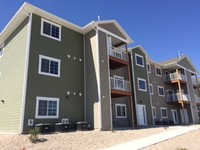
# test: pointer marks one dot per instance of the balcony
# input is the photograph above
(120, 87)
(194, 82)
(118, 53)
(177, 98)
(174, 77)
(197, 99)
(118, 58)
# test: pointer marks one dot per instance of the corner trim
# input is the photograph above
(25, 75)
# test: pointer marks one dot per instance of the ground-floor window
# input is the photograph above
(47, 107)
(154, 112)
(164, 112)
(120, 110)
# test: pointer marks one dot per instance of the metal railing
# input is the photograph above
(118, 53)
(197, 99)
(174, 76)
(194, 81)
(177, 97)
(119, 84)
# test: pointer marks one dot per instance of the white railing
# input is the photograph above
(194, 81)
(197, 99)
(119, 84)
(174, 76)
(118, 53)
(177, 97)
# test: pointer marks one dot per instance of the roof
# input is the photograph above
(27, 9)
(142, 49)
(177, 62)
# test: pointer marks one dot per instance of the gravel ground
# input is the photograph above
(92, 140)
(188, 141)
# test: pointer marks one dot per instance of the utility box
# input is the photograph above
(44, 127)
(62, 127)
(82, 126)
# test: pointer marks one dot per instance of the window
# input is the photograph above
(1, 50)
(154, 112)
(164, 112)
(50, 30)
(49, 66)
(120, 110)
(139, 60)
(151, 89)
(158, 71)
(148, 68)
(47, 107)
(142, 84)
(119, 82)
(161, 91)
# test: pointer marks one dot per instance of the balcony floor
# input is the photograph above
(178, 102)
(175, 81)
(119, 93)
(117, 63)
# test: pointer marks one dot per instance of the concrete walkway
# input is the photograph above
(151, 140)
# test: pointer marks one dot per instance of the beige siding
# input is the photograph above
(92, 75)
(12, 66)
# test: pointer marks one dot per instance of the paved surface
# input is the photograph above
(147, 141)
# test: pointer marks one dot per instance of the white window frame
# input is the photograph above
(156, 67)
(140, 79)
(137, 55)
(2, 49)
(148, 68)
(159, 91)
(151, 87)
(163, 108)
(50, 59)
(49, 36)
(38, 98)
(120, 105)
(119, 78)
(154, 112)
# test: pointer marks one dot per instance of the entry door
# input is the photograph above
(174, 115)
(184, 119)
(141, 115)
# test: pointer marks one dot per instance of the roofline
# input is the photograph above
(26, 9)
(142, 49)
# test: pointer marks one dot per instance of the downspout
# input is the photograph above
(25, 71)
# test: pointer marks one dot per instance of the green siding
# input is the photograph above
(142, 97)
(12, 70)
(71, 74)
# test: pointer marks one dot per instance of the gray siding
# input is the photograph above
(105, 80)
(71, 74)
(12, 70)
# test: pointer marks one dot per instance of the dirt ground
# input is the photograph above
(92, 140)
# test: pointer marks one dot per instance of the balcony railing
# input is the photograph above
(197, 99)
(194, 81)
(118, 53)
(177, 97)
(174, 76)
(119, 84)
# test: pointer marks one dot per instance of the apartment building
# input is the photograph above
(53, 70)
(166, 92)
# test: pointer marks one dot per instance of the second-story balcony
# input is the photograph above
(194, 82)
(120, 87)
(174, 77)
(177, 97)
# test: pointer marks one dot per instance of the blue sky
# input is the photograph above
(162, 27)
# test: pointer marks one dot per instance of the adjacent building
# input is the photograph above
(53, 71)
